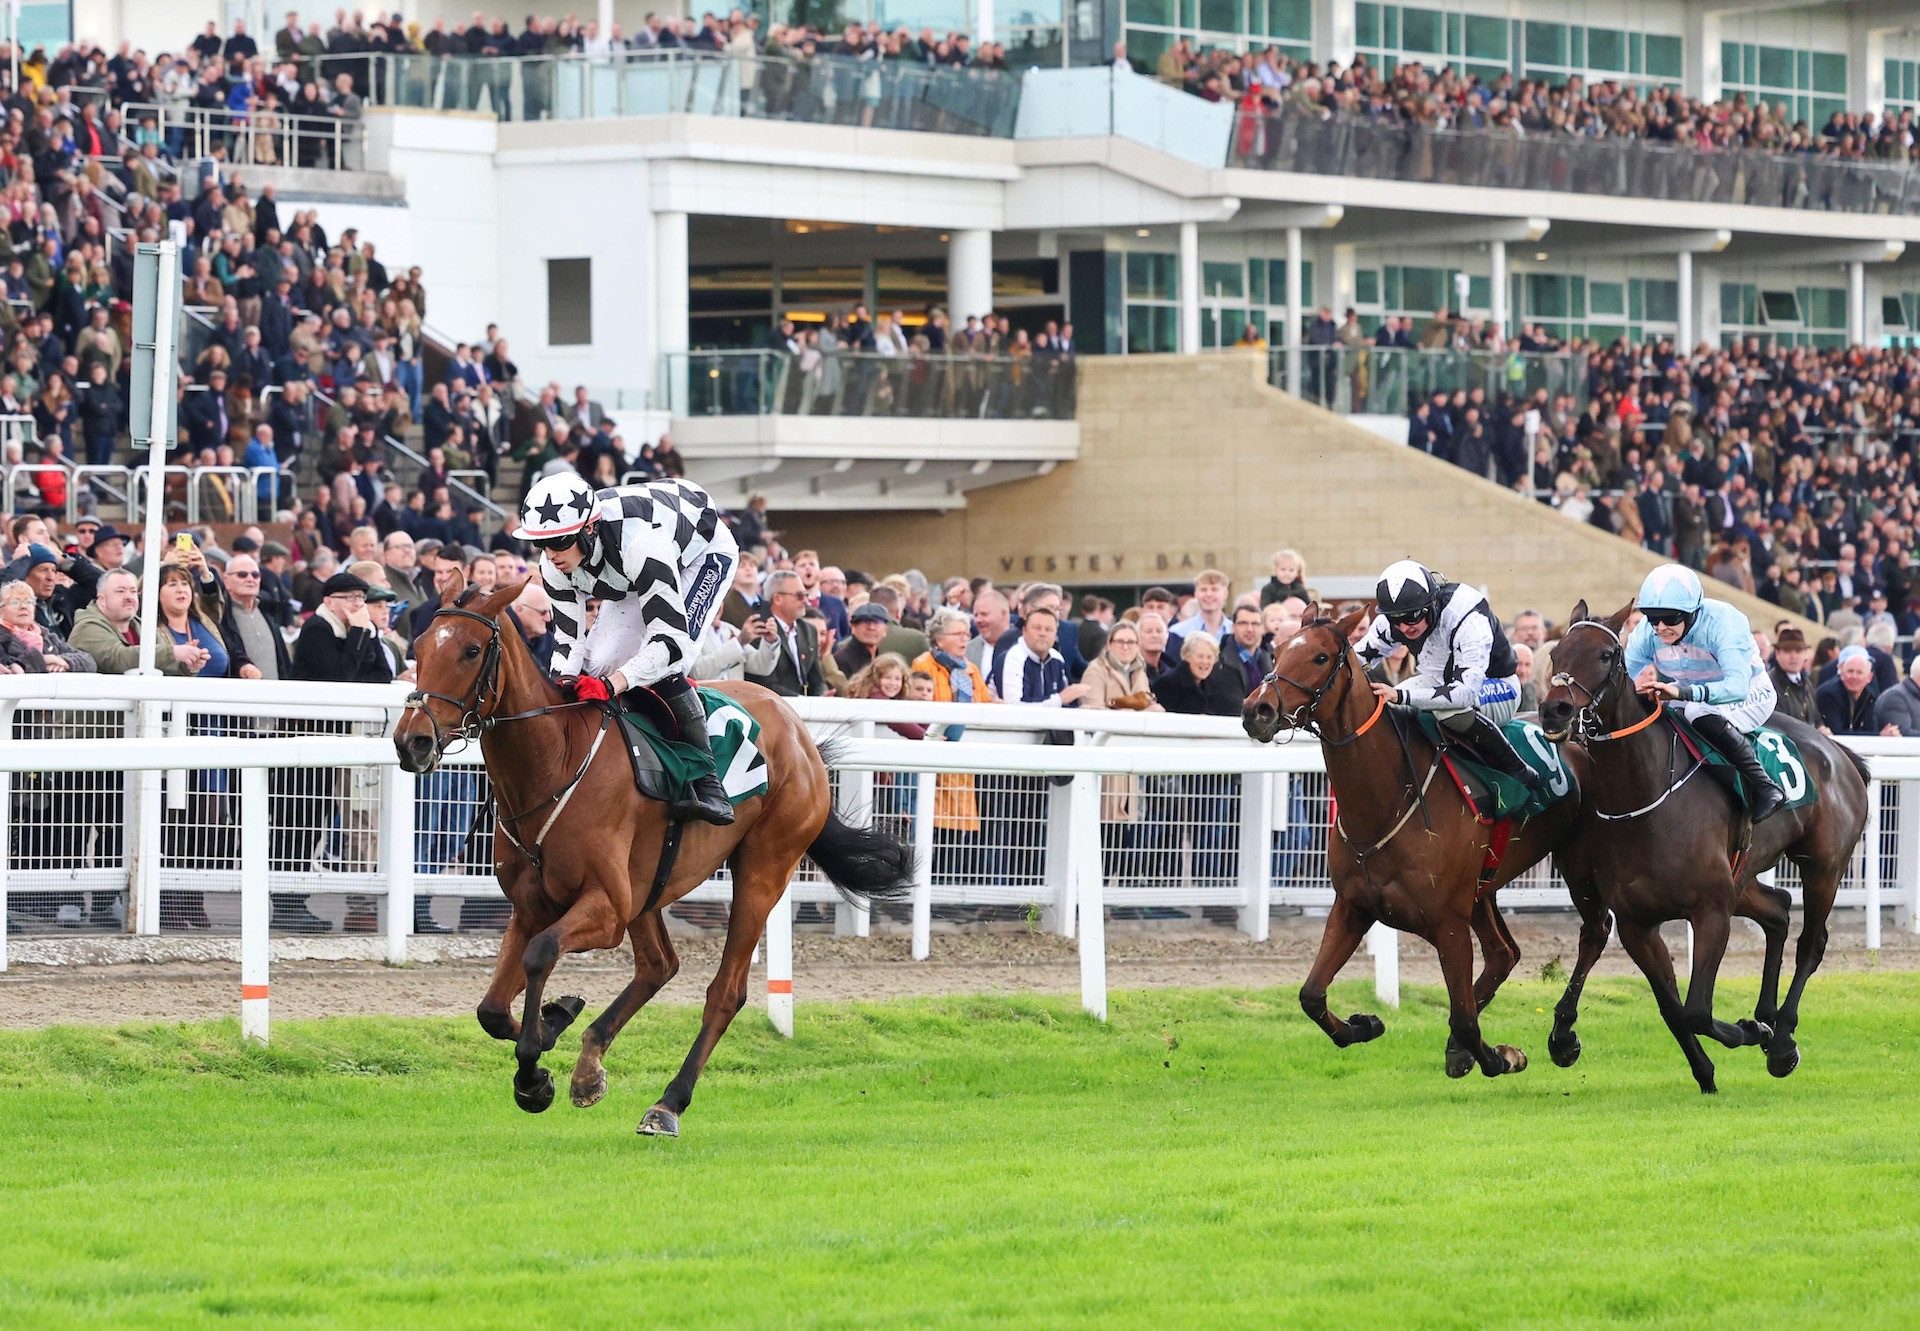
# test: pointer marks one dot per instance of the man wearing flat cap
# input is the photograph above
(1792, 673)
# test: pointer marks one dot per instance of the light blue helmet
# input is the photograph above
(1671, 587)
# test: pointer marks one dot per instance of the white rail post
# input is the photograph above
(855, 802)
(6, 829)
(1383, 944)
(1087, 869)
(923, 865)
(780, 964)
(253, 904)
(396, 857)
(1058, 917)
(1906, 856)
(1256, 854)
(1872, 843)
(144, 897)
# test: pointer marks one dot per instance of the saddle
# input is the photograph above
(1493, 794)
(644, 723)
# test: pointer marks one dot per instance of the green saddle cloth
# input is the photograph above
(1508, 797)
(1777, 752)
(665, 768)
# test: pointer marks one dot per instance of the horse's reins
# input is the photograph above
(473, 720)
(1588, 718)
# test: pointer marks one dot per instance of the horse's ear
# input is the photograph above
(1311, 613)
(498, 599)
(1352, 620)
(1617, 620)
(456, 587)
(1579, 613)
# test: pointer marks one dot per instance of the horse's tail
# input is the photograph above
(871, 862)
(1859, 763)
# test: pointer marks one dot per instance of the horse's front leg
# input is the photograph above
(589, 923)
(1347, 924)
(1453, 940)
(1596, 926)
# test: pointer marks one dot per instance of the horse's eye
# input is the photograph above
(1320, 659)
(473, 650)
(1606, 657)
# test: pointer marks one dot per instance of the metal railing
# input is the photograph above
(1315, 143)
(845, 383)
(826, 89)
(1369, 380)
(262, 137)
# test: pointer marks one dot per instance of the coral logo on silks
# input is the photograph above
(1493, 692)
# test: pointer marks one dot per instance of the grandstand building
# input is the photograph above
(640, 222)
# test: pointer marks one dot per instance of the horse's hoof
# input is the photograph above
(536, 1098)
(556, 1016)
(1515, 1059)
(1565, 1053)
(659, 1122)
(586, 1094)
(1782, 1062)
(1365, 1026)
(1756, 1032)
(1459, 1062)
(1707, 1087)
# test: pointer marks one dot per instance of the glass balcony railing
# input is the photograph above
(1390, 380)
(839, 383)
(825, 90)
(1313, 144)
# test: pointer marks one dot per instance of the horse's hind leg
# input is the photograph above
(1346, 925)
(1650, 954)
(1772, 909)
(1596, 925)
(759, 879)
(654, 964)
(1818, 883)
(1465, 1047)
(590, 922)
(1710, 928)
(1499, 953)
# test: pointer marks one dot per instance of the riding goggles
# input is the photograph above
(1666, 618)
(1406, 616)
(566, 542)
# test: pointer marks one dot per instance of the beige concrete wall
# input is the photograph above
(1193, 461)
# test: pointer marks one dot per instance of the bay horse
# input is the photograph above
(1406, 849)
(1657, 846)
(576, 848)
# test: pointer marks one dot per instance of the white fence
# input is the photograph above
(191, 802)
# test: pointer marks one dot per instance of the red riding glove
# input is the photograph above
(591, 688)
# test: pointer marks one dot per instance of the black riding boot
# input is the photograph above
(1765, 796)
(707, 800)
(1490, 741)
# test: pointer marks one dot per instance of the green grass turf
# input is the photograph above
(1207, 1159)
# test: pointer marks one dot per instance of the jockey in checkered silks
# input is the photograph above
(659, 559)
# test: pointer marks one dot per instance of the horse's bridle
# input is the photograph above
(474, 720)
(1586, 722)
(1302, 717)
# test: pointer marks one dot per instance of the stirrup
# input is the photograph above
(716, 809)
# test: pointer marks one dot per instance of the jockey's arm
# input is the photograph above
(1472, 649)
(1377, 644)
(569, 619)
(1733, 650)
(1639, 649)
(652, 561)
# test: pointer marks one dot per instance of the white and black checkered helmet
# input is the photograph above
(556, 506)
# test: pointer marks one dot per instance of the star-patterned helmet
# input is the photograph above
(556, 506)
(1406, 591)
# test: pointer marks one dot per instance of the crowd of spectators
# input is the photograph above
(1260, 83)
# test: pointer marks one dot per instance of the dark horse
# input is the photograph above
(576, 848)
(1407, 848)
(1658, 845)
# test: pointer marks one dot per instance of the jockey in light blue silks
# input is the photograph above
(1698, 654)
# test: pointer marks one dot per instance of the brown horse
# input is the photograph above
(1658, 845)
(1407, 849)
(576, 848)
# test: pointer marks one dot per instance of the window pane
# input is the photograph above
(1223, 280)
(1420, 31)
(1157, 12)
(1145, 48)
(1730, 303)
(1366, 286)
(1366, 25)
(1486, 38)
(1220, 15)
(1661, 301)
(1663, 57)
(1730, 63)
(1424, 290)
(1547, 43)
(1607, 298)
(1824, 109)
(569, 302)
(1479, 293)
(1606, 49)
(1150, 276)
(1257, 280)
(1292, 19)
(1546, 295)
(1776, 67)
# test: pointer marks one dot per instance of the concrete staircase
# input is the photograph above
(1191, 461)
